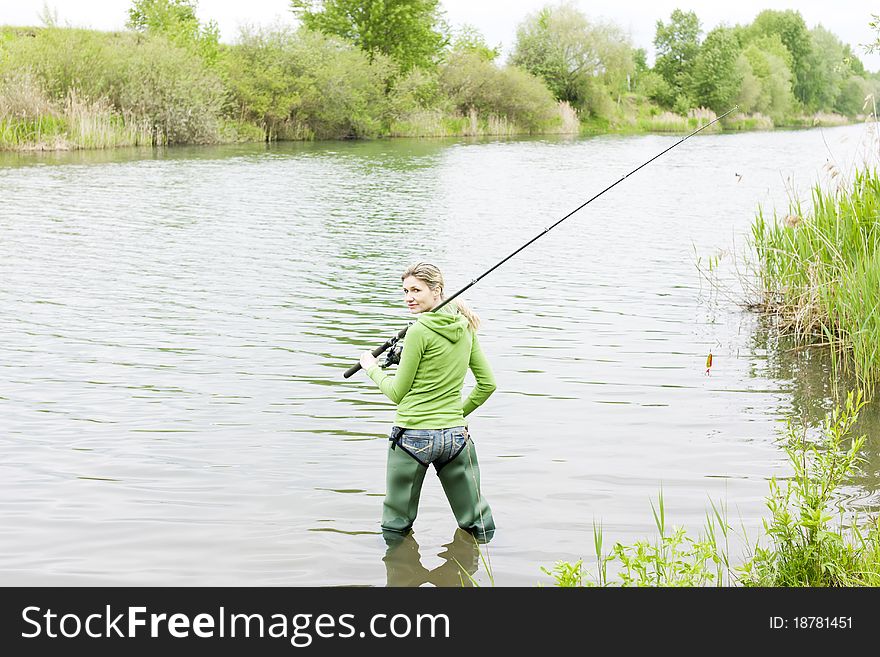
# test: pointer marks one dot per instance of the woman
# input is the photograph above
(429, 426)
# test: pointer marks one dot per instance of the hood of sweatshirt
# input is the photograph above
(448, 323)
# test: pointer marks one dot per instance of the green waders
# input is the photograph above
(403, 486)
(460, 478)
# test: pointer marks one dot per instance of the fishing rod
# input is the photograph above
(392, 341)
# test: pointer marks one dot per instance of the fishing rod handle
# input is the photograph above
(376, 352)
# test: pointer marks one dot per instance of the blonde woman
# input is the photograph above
(429, 427)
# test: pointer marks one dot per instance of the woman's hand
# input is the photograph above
(367, 360)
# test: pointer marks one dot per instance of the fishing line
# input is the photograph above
(388, 343)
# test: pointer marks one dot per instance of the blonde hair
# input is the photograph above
(431, 276)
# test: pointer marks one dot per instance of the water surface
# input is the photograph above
(175, 325)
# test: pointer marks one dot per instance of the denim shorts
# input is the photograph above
(437, 446)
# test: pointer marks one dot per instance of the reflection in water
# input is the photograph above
(815, 390)
(403, 563)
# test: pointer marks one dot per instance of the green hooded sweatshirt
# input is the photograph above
(437, 351)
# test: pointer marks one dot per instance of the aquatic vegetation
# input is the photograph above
(805, 549)
(819, 273)
(673, 559)
(800, 547)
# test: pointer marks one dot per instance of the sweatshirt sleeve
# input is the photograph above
(485, 380)
(395, 387)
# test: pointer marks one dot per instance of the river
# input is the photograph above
(175, 325)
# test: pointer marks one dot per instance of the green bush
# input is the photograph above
(301, 84)
(415, 92)
(180, 98)
(143, 78)
(851, 100)
(654, 86)
(471, 82)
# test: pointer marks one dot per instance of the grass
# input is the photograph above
(435, 123)
(801, 546)
(78, 124)
(819, 273)
(672, 559)
(819, 119)
(741, 121)
(638, 117)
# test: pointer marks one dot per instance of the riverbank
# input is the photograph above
(70, 89)
(80, 125)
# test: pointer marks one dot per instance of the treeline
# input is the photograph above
(775, 69)
(775, 66)
(367, 68)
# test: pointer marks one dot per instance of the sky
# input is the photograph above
(496, 19)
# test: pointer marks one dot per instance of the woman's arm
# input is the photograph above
(395, 387)
(485, 379)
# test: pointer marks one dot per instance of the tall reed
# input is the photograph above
(819, 273)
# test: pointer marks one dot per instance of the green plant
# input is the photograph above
(819, 274)
(675, 559)
(805, 549)
(303, 84)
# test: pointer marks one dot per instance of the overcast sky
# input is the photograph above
(496, 19)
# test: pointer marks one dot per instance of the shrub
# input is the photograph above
(143, 78)
(304, 84)
(471, 82)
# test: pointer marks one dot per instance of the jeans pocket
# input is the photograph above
(415, 443)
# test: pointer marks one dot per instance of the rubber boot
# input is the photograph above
(403, 487)
(461, 483)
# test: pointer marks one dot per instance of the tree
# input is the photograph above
(750, 85)
(774, 83)
(792, 30)
(875, 25)
(176, 20)
(411, 32)
(853, 62)
(853, 96)
(717, 79)
(165, 16)
(677, 45)
(469, 39)
(829, 68)
(304, 83)
(573, 56)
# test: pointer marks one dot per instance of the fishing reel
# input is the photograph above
(392, 354)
